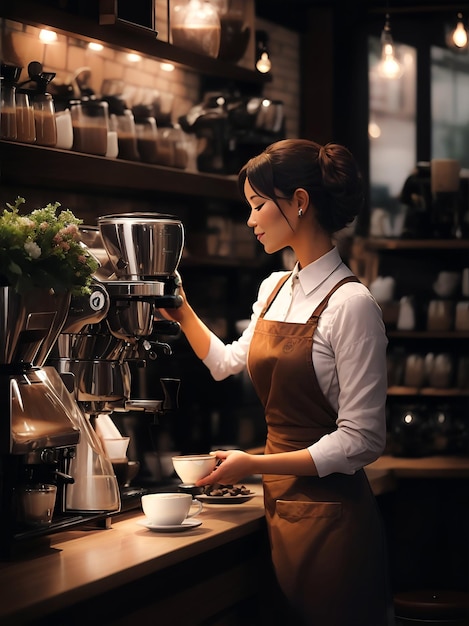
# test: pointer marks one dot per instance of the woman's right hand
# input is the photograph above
(192, 326)
(176, 314)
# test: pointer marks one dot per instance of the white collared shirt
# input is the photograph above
(349, 357)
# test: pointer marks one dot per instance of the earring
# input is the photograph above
(300, 212)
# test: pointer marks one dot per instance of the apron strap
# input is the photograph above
(274, 293)
(323, 304)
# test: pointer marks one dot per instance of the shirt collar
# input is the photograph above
(315, 274)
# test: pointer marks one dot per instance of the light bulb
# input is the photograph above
(389, 66)
(458, 37)
(264, 65)
(374, 131)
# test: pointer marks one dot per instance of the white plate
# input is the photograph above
(187, 524)
(227, 499)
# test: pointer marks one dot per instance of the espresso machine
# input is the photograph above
(38, 435)
(139, 254)
(231, 129)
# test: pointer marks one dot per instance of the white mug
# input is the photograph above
(165, 509)
(406, 317)
(441, 374)
(414, 373)
(440, 315)
(461, 321)
(382, 288)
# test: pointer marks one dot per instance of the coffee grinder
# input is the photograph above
(139, 255)
(38, 435)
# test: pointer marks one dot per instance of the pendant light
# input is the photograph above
(389, 67)
(457, 38)
(263, 62)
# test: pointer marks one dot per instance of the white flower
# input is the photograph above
(32, 249)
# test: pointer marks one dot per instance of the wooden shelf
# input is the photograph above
(415, 244)
(125, 38)
(423, 467)
(427, 391)
(31, 165)
(426, 334)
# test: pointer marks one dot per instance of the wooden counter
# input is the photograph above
(86, 564)
(125, 573)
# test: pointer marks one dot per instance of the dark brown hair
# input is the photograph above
(328, 173)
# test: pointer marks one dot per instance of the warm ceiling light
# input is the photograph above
(95, 46)
(133, 57)
(458, 38)
(167, 67)
(389, 66)
(47, 36)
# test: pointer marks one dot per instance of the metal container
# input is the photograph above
(142, 245)
(30, 324)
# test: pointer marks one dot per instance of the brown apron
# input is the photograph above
(327, 541)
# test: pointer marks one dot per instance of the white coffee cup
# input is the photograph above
(190, 468)
(165, 509)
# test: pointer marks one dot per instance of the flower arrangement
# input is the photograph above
(43, 249)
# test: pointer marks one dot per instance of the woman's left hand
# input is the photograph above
(233, 466)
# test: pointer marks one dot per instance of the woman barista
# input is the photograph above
(316, 353)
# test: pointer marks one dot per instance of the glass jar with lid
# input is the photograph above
(7, 111)
(90, 120)
(25, 126)
(44, 119)
(195, 26)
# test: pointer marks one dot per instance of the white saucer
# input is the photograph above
(187, 524)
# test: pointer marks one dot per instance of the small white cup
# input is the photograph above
(37, 504)
(116, 447)
(168, 509)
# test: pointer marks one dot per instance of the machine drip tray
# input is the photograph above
(64, 522)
